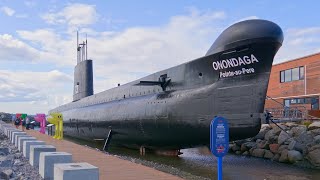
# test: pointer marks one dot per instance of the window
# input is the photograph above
(301, 74)
(287, 75)
(295, 74)
(292, 74)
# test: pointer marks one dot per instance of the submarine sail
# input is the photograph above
(173, 108)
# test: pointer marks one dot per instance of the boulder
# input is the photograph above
(269, 135)
(246, 153)
(314, 157)
(244, 148)
(274, 148)
(291, 124)
(282, 148)
(284, 156)
(258, 153)
(4, 151)
(315, 132)
(317, 139)
(250, 145)
(238, 152)
(297, 131)
(283, 136)
(314, 125)
(305, 139)
(6, 174)
(268, 154)
(240, 142)
(276, 157)
(235, 148)
(263, 144)
(277, 130)
(294, 156)
(294, 145)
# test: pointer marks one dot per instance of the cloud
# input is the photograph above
(73, 15)
(30, 3)
(31, 90)
(12, 49)
(299, 42)
(8, 11)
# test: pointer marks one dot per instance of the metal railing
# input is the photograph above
(287, 114)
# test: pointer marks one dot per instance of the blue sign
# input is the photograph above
(219, 140)
(219, 136)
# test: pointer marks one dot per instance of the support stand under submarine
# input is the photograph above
(172, 109)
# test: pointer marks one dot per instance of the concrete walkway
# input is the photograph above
(110, 167)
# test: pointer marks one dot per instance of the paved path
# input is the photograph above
(110, 167)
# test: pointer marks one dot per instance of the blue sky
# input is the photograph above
(127, 40)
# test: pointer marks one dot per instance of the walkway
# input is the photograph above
(110, 167)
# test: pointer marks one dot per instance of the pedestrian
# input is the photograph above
(23, 124)
(27, 123)
(17, 122)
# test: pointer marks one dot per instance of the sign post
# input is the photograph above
(219, 140)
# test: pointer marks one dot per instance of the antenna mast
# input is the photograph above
(82, 49)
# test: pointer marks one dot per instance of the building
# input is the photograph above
(295, 83)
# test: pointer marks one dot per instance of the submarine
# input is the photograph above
(172, 109)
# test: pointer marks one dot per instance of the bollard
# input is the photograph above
(35, 151)
(14, 134)
(47, 161)
(26, 147)
(18, 137)
(79, 171)
(22, 139)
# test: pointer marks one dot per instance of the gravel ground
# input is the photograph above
(13, 165)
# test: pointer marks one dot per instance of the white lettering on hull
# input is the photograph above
(234, 62)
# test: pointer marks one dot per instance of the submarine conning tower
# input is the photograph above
(246, 32)
(83, 73)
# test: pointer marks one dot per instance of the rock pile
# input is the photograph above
(292, 143)
(13, 165)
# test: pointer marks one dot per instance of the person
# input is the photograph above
(27, 123)
(17, 122)
(23, 124)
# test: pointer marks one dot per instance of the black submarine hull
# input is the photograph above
(230, 80)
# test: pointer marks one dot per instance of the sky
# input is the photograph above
(127, 40)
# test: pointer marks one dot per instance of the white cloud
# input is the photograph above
(12, 49)
(51, 88)
(8, 11)
(30, 3)
(299, 42)
(76, 15)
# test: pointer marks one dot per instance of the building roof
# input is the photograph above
(318, 53)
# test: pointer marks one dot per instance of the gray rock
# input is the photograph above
(291, 125)
(6, 174)
(317, 139)
(269, 134)
(282, 147)
(277, 130)
(284, 156)
(246, 153)
(250, 145)
(314, 157)
(258, 153)
(314, 125)
(305, 139)
(268, 154)
(315, 132)
(235, 148)
(294, 156)
(238, 152)
(297, 131)
(17, 162)
(283, 136)
(4, 151)
(276, 157)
